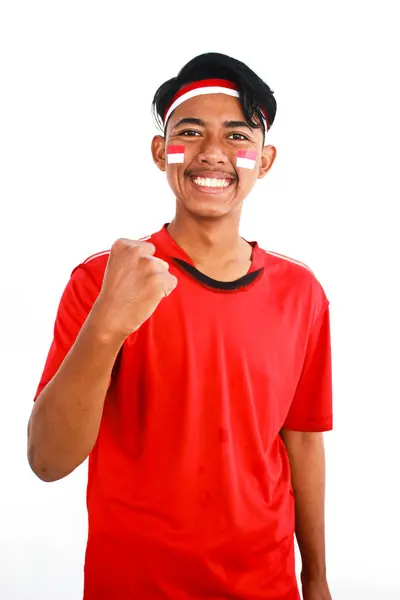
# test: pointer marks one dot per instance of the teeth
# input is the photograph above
(208, 182)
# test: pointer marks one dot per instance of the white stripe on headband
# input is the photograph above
(202, 91)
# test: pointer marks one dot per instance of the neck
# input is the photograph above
(210, 241)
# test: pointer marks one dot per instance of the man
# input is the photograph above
(193, 369)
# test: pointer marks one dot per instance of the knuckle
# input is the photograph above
(147, 247)
(120, 244)
(146, 264)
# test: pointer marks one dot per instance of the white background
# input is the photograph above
(77, 80)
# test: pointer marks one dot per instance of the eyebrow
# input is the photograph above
(202, 123)
(235, 124)
(190, 121)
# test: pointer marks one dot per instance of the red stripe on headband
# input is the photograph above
(201, 84)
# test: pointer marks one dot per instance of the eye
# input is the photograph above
(189, 133)
(238, 137)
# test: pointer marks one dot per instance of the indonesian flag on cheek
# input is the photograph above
(246, 159)
(175, 154)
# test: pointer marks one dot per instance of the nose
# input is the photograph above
(211, 153)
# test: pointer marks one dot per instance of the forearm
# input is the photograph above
(307, 462)
(66, 417)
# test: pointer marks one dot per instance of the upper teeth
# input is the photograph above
(207, 182)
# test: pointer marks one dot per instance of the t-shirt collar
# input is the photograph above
(164, 239)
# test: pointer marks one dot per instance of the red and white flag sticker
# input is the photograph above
(246, 159)
(175, 154)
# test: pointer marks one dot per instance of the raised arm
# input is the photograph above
(66, 416)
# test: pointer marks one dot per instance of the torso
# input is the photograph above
(189, 492)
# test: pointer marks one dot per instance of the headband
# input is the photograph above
(201, 88)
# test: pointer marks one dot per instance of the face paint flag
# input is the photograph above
(246, 159)
(175, 154)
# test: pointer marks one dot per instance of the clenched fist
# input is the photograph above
(134, 284)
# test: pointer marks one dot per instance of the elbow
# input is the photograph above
(42, 468)
(43, 472)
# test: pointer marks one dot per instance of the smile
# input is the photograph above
(209, 182)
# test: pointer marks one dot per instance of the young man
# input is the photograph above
(193, 369)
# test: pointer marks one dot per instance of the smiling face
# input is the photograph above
(211, 181)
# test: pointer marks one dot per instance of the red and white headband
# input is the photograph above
(206, 86)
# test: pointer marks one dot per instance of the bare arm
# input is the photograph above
(65, 419)
(307, 462)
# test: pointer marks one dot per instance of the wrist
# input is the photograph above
(100, 327)
(313, 575)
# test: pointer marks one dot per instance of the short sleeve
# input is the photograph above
(74, 307)
(311, 409)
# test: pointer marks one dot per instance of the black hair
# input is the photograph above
(254, 92)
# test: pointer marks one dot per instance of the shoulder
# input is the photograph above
(296, 278)
(290, 264)
(289, 269)
(94, 265)
(88, 274)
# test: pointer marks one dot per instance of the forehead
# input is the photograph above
(210, 108)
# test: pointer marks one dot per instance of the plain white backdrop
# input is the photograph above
(77, 80)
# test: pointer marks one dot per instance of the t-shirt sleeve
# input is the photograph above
(74, 307)
(311, 409)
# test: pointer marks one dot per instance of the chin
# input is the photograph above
(208, 210)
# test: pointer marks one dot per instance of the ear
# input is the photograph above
(158, 151)
(268, 156)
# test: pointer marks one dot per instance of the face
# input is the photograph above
(211, 181)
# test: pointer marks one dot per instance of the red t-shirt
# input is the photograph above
(189, 493)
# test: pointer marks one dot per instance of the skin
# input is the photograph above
(307, 465)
